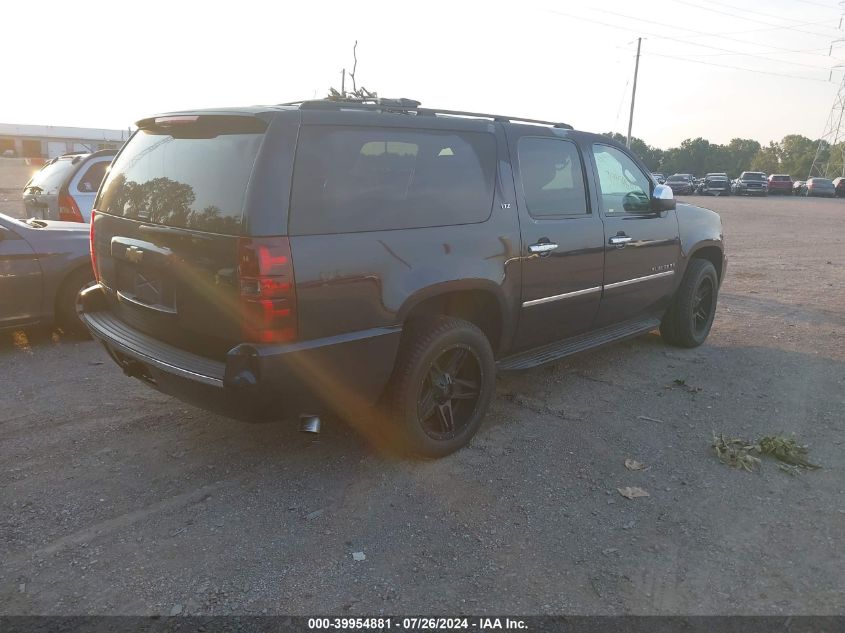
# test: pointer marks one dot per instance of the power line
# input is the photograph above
(749, 19)
(750, 70)
(804, 51)
(723, 50)
(770, 28)
(820, 4)
(757, 12)
(674, 39)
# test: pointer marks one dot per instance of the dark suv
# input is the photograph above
(752, 183)
(382, 261)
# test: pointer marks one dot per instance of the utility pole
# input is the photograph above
(634, 92)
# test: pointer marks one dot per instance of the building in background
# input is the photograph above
(49, 141)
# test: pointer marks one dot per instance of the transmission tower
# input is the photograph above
(831, 137)
(833, 133)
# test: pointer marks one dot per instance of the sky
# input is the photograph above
(715, 69)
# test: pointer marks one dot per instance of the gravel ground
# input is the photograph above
(119, 500)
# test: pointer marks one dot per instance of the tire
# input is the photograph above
(425, 373)
(687, 322)
(66, 300)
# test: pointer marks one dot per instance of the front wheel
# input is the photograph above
(688, 321)
(441, 388)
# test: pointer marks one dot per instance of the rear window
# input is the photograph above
(52, 176)
(350, 179)
(190, 175)
(90, 181)
(781, 178)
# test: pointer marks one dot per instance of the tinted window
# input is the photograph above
(92, 177)
(349, 179)
(51, 176)
(552, 178)
(624, 188)
(190, 176)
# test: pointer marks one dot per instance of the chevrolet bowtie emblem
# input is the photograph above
(134, 254)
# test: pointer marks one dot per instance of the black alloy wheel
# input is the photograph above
(449, 393)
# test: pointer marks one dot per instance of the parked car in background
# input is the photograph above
(820, 187)
(715, 185)
(660, 178)
(839, 185)
(43, 266)
(796, 187)
(65, 188)
(315, 275)
(752, 183)
(682, 184)
(780, 184)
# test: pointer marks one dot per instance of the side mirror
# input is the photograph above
(662, 199)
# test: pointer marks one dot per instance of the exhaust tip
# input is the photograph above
(309, 423)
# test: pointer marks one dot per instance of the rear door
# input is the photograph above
(641, 248)
(167, 224)
(562, 239)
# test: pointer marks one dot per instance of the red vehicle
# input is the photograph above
(780, 184)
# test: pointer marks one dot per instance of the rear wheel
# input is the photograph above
(441, 388)
(688, 321)
(67, 300)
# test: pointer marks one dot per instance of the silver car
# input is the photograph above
(65, 188)
(43, 266)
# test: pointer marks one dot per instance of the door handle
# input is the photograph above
(620, 240)
(543, 247)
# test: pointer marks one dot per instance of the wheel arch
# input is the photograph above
(478, 301)
(65, 278)
(712, 253)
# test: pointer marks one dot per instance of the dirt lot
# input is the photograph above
(116, 499)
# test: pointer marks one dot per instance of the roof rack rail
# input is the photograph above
(412, 106)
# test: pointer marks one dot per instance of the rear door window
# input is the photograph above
(186, 175)
(92, 176)
(350, 179)
(552, 177)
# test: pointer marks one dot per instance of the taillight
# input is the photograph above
(68, 209)
(266, 288)
(91, 246)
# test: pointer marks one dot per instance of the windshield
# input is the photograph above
(189, 176)
(752, 175)
(52, 175)
(678, 178)
(820, 181)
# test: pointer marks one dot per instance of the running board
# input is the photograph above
(581, 343)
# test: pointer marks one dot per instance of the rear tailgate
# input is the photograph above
(166, 228)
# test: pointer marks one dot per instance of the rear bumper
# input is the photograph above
(256, 382)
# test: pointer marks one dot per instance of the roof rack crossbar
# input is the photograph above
(398, 106)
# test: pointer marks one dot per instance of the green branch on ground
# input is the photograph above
(740, 453)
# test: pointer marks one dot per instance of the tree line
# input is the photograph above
(792, 155)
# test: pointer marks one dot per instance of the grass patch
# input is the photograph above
(739, 453)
